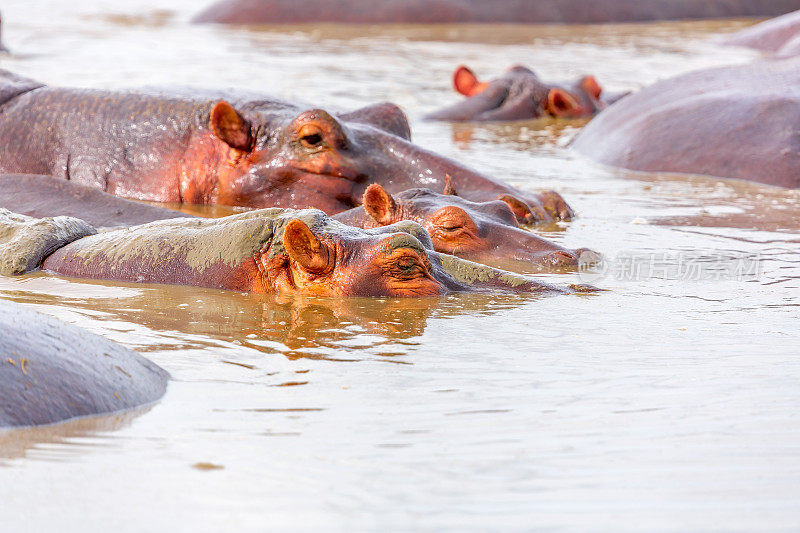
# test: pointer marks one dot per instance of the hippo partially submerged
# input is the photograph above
(485, 11)
(733, 122)
(222, 149)
(51, 371)
(520, 94)
(486, 232)
(266, 251)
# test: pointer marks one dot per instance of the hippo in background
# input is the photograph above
(779, 36)
(51, 371)
(738, 121)
(520, 94)
(263, 251)
(253, 151)
(484, 11)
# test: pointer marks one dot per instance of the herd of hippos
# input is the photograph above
(388, 218)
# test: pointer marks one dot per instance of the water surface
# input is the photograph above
(668, 403)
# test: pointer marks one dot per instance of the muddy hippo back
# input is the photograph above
(51, 371)
(733, 122)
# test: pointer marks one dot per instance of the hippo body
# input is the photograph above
(779, 36)
(732, 122)
(51, 371)
(284, 251)
(168, 146)
(41, 196)
(483, 11)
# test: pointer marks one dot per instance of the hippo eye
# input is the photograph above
(409, 267)
(312, 140)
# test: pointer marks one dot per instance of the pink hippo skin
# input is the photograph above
(732, 122)
(520, 94)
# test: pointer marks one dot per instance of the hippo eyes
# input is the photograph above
(313, 140)
(409, 267)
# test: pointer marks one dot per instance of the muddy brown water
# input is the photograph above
(668, 403)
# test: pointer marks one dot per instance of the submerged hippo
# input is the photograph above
(521, 95)
(41, 196)
(780, 36)
(266, 251)
(244, 150)
(486, 232)
(733, 122)
(51, 371)
(485, 11)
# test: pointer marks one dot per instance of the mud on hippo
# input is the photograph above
(266, 251)
(244, 150)
(520, 94)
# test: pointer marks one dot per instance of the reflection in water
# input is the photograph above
(17, 443)
(295, 326)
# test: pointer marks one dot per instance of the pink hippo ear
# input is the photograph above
(520, 209)
(592, 88)
(305, 249)
(561, 104)
(229, 126)
(449, 188)
(465, 82)
(379, 205)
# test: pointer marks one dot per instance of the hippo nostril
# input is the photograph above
(563, 259)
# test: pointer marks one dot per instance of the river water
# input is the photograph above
(667, 403)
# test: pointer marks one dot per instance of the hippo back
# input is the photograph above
(12, 85)
(51, 371)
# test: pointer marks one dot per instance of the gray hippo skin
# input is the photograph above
(51, 371)
(739, 122)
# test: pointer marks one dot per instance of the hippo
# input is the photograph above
(521, 95)
(485, 232)
(491, 231)
(483, 11)
(779, 36)
(240, 150)
(41, 196)
(738, 121)
(2, 46)
(51, 371)
(264, 251)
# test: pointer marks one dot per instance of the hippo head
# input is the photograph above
(395, 261)
(293, 158)
(487, 232)
(520, 94)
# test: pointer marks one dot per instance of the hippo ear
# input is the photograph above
(380, 205)
(229, 126)
(449, 188)
(561, 104)
(465, 82)
(592, 88)
(520, 209)
(304, 248)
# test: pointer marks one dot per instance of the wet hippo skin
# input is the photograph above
(51, 371)
(779, 36)
(478, 11)
(198, 147)
(732, 122)
(519, 94)
(42, 196)
(282, 251)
